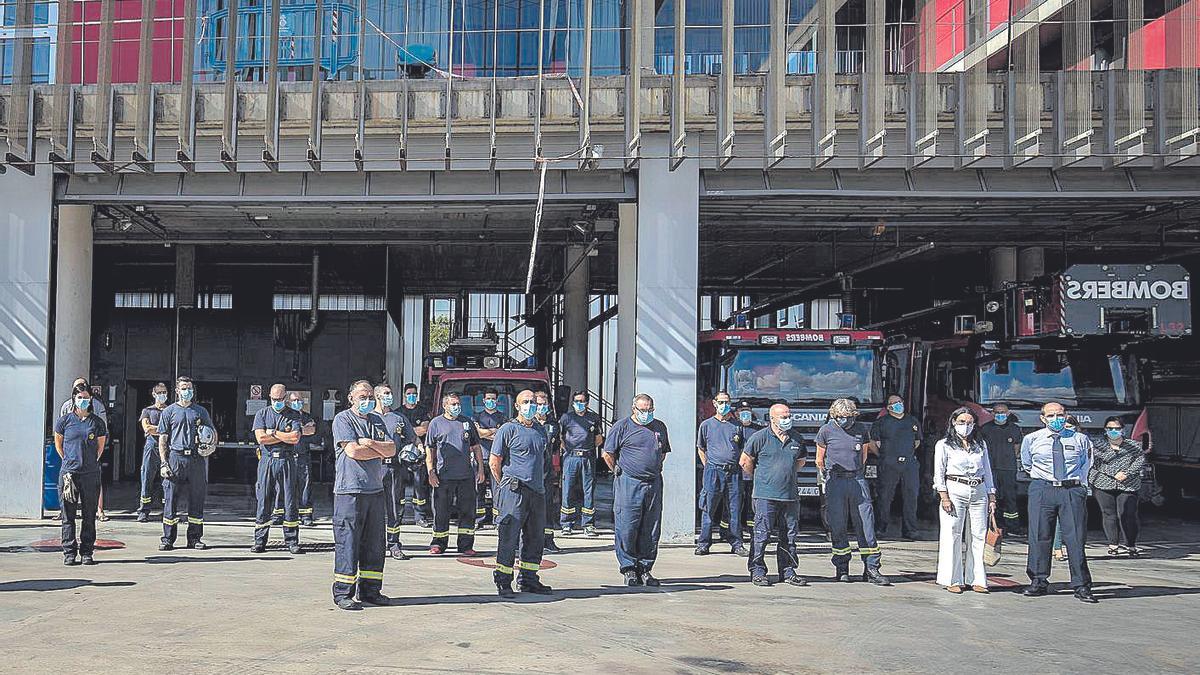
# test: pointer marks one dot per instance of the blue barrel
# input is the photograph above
(51, 465)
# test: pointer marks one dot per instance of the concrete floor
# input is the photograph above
(231, 611)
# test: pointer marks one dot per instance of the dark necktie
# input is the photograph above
(1060, 459)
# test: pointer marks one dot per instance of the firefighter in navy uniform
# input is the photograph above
(487, 423)
(745, 417)
(580, 431)
(553, 433)
(774, 455)
(719, 442)
(150, 462)
(418, 473)
(79, 439)
(361, 443)
(842, 447)
(278, 431)
(401, 433)
(452, 449)
(179, 439)
(897, 435)
(308, 440)
(517, 464)
(1003, 439)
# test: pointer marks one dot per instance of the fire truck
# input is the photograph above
(1075, 338)
(806, 369)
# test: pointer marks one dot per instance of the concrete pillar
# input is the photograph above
(664, 286)
(25, 217)
(1031, 263)
(73, 299)
(1002, 266)
(576, 308)
(627, 248)
(412, 340)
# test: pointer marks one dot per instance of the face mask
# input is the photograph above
(186, 395)
(964, 430)
(723, 408)
(580, 407)
(543, 409)
(387, 400)
(528, 410)
(784, 423)
(1068, 433)
(454, 410)
(1001, 418)
(1113, 434)
(297, 405)
(746, 417)
(897, 408)
(83, 403)
(277, 406)
(160, 398)
(490, 404)
(365, 406)
(843, 421)
(644, 417)
(1056, 424)
(410, 399)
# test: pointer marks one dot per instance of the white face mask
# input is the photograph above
(964, 430)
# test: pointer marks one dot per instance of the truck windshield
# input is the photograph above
(796, 375)
(471, 392)
(1076, 377)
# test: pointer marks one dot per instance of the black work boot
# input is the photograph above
(503, 585)
(531, 584)
(876, 578)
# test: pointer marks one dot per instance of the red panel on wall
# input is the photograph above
(167, 42)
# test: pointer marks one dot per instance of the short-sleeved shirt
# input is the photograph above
(306, 442)
(639, 449)
(775, 464)
(897, 437)
(451, 442)
(523, 450)
(400, 431)
(81, 437)
(357, 476)
(721, 440)
(267, 419)
(489, 420)
(179, 424)
(151, 414)
(579, 432)
(843, 447)
(97, 408)
(1003, 442)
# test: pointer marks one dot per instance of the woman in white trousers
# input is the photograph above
(962, 475)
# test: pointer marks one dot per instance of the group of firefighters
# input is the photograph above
(381, 448)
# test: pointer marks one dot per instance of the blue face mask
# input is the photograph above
(186, 395)
(277, 406)
(1114, 434)
(723, 408)
(454, 410)
(543, 409)
(410, 399)
(365, 406)
(528, 410)
(784, 423)
(1056, 424)
(489, 403)
(387, 400)
(1067, 433)
(897, 408)
(83, 403)
(297, 405)
(645, 417)
(746, 417)
(580, 407)
(160, 398)
(1001, 418)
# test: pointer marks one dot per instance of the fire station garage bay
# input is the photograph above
(838, 203)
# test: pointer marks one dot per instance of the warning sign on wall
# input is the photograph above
(256, 392)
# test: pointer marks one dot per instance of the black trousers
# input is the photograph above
(1068, 507)
(1120, 511)
(905, 476)
(454, 497)
(522, 521)
(417, 475)
(357, 545)
(88, 486)
(1007, 505)
(151, 482)
(191, 479)
(393, 498)
(303, 487)
(277, 476)
(783, 520)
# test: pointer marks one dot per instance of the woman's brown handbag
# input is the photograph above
(995, 539)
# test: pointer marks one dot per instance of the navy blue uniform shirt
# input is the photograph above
(179, 424)
(639, 449)
(523, 450)
(775, 464)
(357, 476)
(451, 442)
(843, 447)
(81, 437)
(267, 419)
(721, 440)
(1003, 443)
(151, 414)
(399, 430)
(897, 437)
(489, 420)
(579, 432)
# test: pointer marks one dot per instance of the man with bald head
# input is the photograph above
(1057, 460)
(773, 456)
(277, 433)
(518, 464)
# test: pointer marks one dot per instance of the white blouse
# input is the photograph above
(955, 461)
